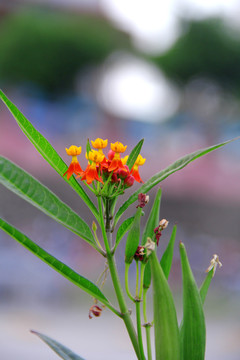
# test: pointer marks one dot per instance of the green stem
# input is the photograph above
(126, 283)
(147, 325)
(89, 187)
(138, 305)
(137, 279)
(105, 238)
(139, 328)
(122, 304)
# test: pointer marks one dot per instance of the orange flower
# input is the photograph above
(91, 172)
(74, 167)
(135, 173)
(116, 162)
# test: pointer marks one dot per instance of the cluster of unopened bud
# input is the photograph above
(143, 199)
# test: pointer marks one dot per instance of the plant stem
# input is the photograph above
(137, 279)
(107, 237)
(139, 328)
(138, 305)
(122, 304)
(147, 325)
(126, 283)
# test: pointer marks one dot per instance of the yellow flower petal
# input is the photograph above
(74, 150)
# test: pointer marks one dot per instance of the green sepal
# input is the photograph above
(61, 350)
(160, 176)
(47, 151)
(123, 228)
(205, 285)
(85, 284)
(153, 219)
(133, 237)
(166, 260)
(167, 344)
(192, 329)
(134, 154)
(31, 190)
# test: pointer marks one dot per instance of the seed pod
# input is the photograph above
(167, 344)
(133, 237)
(192, 330)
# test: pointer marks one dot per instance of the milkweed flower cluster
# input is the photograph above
(111, 171)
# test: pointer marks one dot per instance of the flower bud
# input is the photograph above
(94, 226)
(123, 173)
(143, 199)
(114, 178)
(94, 310)
(111, 154)
(214, 263)
(129, 181)
(149, 246)
(163, 224)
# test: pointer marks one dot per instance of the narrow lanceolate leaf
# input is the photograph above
(167, 344)
(123, 228)
(134, 154)
(153, 219)
(192, 331)
(31, 190)
(47, 151)
(166, 260)
(133, 237)
(160, 176)
(61, 350)
(85, 284)
(205, 285)
(88, 148)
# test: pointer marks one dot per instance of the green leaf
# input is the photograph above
(192, 330)
(134, 154)
(123, 228)
(31, 190)
(167, 345)
(61, 350)
(47, 151)
(133, 237)
(153, 219)
(85, 284)
(166, 260)
(160, 176)
(205, 285)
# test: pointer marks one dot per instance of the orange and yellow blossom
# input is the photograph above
(74, 167)
(101, 144)
(135, 173)
(91, 172)
(116, 162)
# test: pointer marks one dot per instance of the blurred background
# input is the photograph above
(167, 71)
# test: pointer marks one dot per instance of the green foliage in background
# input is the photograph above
(49, 49)
(207, 49)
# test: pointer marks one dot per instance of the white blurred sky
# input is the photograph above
(137, 91)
